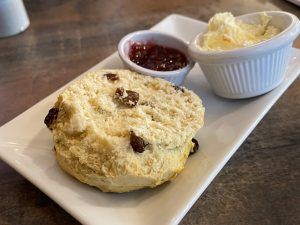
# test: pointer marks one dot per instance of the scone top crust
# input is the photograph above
(93, 126)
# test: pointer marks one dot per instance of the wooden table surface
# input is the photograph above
(259, 185)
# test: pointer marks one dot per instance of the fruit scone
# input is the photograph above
(119, 130)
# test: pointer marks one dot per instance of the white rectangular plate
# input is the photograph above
(296, 2)
(26, 145)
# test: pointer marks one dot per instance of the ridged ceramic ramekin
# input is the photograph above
(253, 70)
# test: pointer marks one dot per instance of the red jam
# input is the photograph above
(156, 57)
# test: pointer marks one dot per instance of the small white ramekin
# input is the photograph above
(176, 76)
(253, 70)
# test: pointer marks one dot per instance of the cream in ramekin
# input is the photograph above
(250, 70)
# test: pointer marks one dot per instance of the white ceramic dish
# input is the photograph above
(176, 76)
(253, 70)
(26, 145)
(13, 18)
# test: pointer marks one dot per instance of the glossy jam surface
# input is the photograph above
(156, 57)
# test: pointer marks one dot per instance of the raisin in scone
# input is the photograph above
(119, 131)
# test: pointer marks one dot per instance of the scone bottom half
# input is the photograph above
(120, 131)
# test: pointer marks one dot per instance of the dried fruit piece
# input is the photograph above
(111, 76)
(177, 88)
(126, 97)
(137, 143)
(196, 146)
(51, 117)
